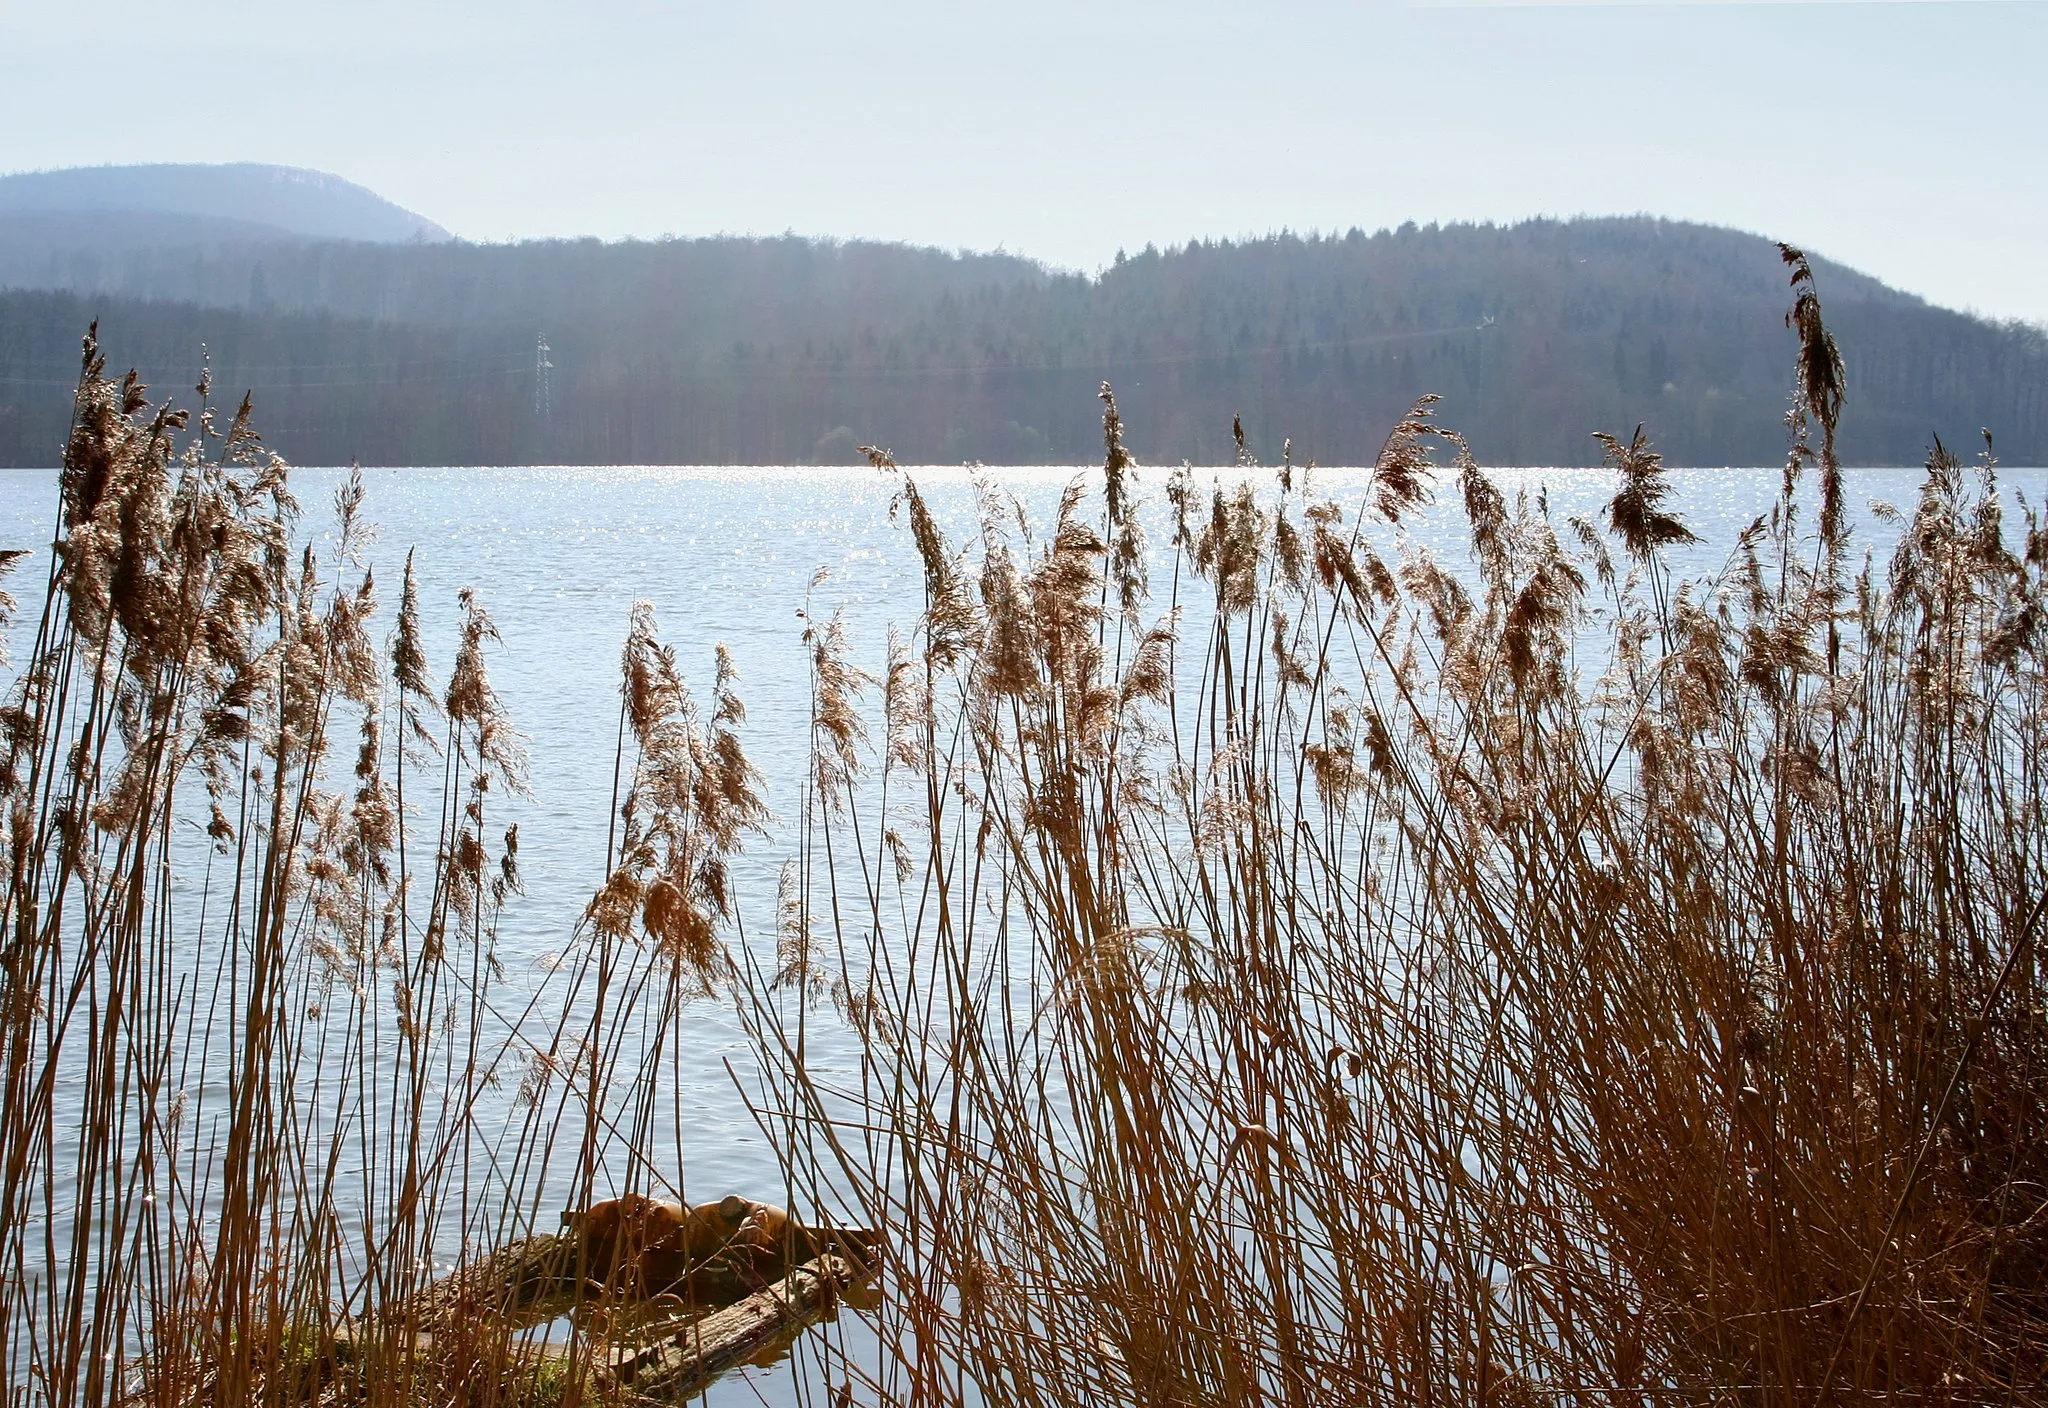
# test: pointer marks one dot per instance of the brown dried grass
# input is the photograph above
(1352, 1003)
(1340, 1000)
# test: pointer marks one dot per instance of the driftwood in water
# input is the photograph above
(521, 1284)
(638, 1248)
(535, 1279)
(466, 1322)
(676, 1360)
(729, 1308)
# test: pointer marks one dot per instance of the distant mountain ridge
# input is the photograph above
(180, 204)
(793, 351)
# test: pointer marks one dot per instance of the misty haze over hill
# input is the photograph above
(194, 204)
(796, 351)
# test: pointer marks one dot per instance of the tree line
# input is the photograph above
(792, 351)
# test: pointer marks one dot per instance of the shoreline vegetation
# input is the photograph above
(1261, 970)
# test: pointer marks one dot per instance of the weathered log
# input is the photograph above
(456, 1320)
(728, 1307)
(639, 1247)
(676, 1360)
(522, 1283)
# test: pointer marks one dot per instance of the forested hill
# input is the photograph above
(794, 351)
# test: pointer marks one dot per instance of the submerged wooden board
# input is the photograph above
(676, 1361)
(533, 1280)
(670, 1360)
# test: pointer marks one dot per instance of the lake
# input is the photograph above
(559, 556)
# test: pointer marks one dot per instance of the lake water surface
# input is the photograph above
(559, 556)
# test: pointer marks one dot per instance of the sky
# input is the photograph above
(1908, 138)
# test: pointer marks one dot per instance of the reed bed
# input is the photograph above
(1306, 980)
(1260, 968)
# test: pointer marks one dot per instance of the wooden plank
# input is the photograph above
(533, 1279)
(682, 1358)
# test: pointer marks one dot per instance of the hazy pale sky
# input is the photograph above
(1909, 139)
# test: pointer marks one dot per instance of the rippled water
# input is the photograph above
(560, 555)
